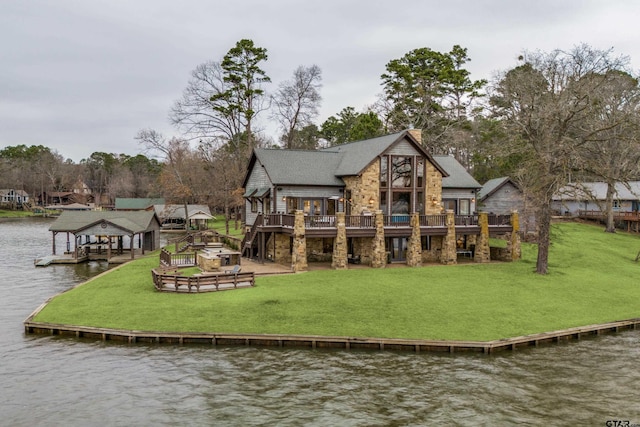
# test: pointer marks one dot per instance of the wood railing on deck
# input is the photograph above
(166, 282)
(360, 221)
(368, 221)
(185, 259)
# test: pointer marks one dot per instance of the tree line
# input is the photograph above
(555, 118)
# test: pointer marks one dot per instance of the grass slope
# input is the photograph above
(592, 279)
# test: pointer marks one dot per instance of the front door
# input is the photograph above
(397, 248)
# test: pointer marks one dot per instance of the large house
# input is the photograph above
(374, 201)
(503, 196)
(13, 197)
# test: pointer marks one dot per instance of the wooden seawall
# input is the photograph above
(312, 341)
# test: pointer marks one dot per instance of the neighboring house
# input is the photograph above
(459, 189)
(592, 196)
(503, 196)
(13, 197)
(138, 203)
(377, 184)
(173, 217)
(500, 195)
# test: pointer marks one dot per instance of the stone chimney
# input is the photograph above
(416, 134)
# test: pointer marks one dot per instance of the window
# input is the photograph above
(464, 204)
(383, 201)
(254, 204)
(401, 171)
(292, 204)
(384, 170)
(450, 204)
(420, 172)
(401, 203)
(420, 203)
(426, 243)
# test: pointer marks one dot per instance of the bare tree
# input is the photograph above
(544, 105)
(197, 115)
(612, 151)
(296, 102)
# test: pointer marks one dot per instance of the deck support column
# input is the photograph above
(379, 258)
(299, 253)
(414, 251)
(449, 255)
(339, 258)
(513, 244)
(482, 252)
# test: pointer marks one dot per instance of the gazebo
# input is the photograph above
(106, 232)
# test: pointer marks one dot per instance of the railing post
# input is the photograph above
(513, 244)
(339, 258)
(414, 251)
(299, 253)
(379, 258)
(482, 252)
(448, 255)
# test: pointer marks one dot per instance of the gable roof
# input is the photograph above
(458, 177)
(177, 211)
(298, 167)
(494, 185)
(133, 221)
(598, 191)
(325, 167)
(137, 203)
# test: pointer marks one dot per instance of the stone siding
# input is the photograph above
(364, 188)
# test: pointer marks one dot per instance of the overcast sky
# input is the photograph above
(81, 76)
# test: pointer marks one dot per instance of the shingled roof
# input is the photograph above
(300, 167)
(133, 221)
(458, 175)
(325, 167)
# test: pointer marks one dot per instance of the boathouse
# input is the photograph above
(106, 234)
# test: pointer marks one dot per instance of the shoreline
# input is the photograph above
(327, 342)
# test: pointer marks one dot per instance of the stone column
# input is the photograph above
(339, 258)
(513, 244)
(414, 251)
(448, 255)
(299, 254)
(379, 256)
(483, 253)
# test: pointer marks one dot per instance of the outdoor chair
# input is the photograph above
(236, 269)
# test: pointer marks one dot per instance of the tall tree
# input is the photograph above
(204, 110)
(351, 126)
(431, 91)
(244, 94)
(296, 103)
(544, 105)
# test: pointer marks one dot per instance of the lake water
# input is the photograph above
(53, 381)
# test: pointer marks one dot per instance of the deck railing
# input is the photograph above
(185, 259)
(499, 220)
(319, 221)
(466, 220)
(624, 216)
(207, 283)
(433, 220)
(368, 221)
(359, 221)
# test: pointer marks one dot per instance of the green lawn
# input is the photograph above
(593, 279)
(219, 225)
(14, 214)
